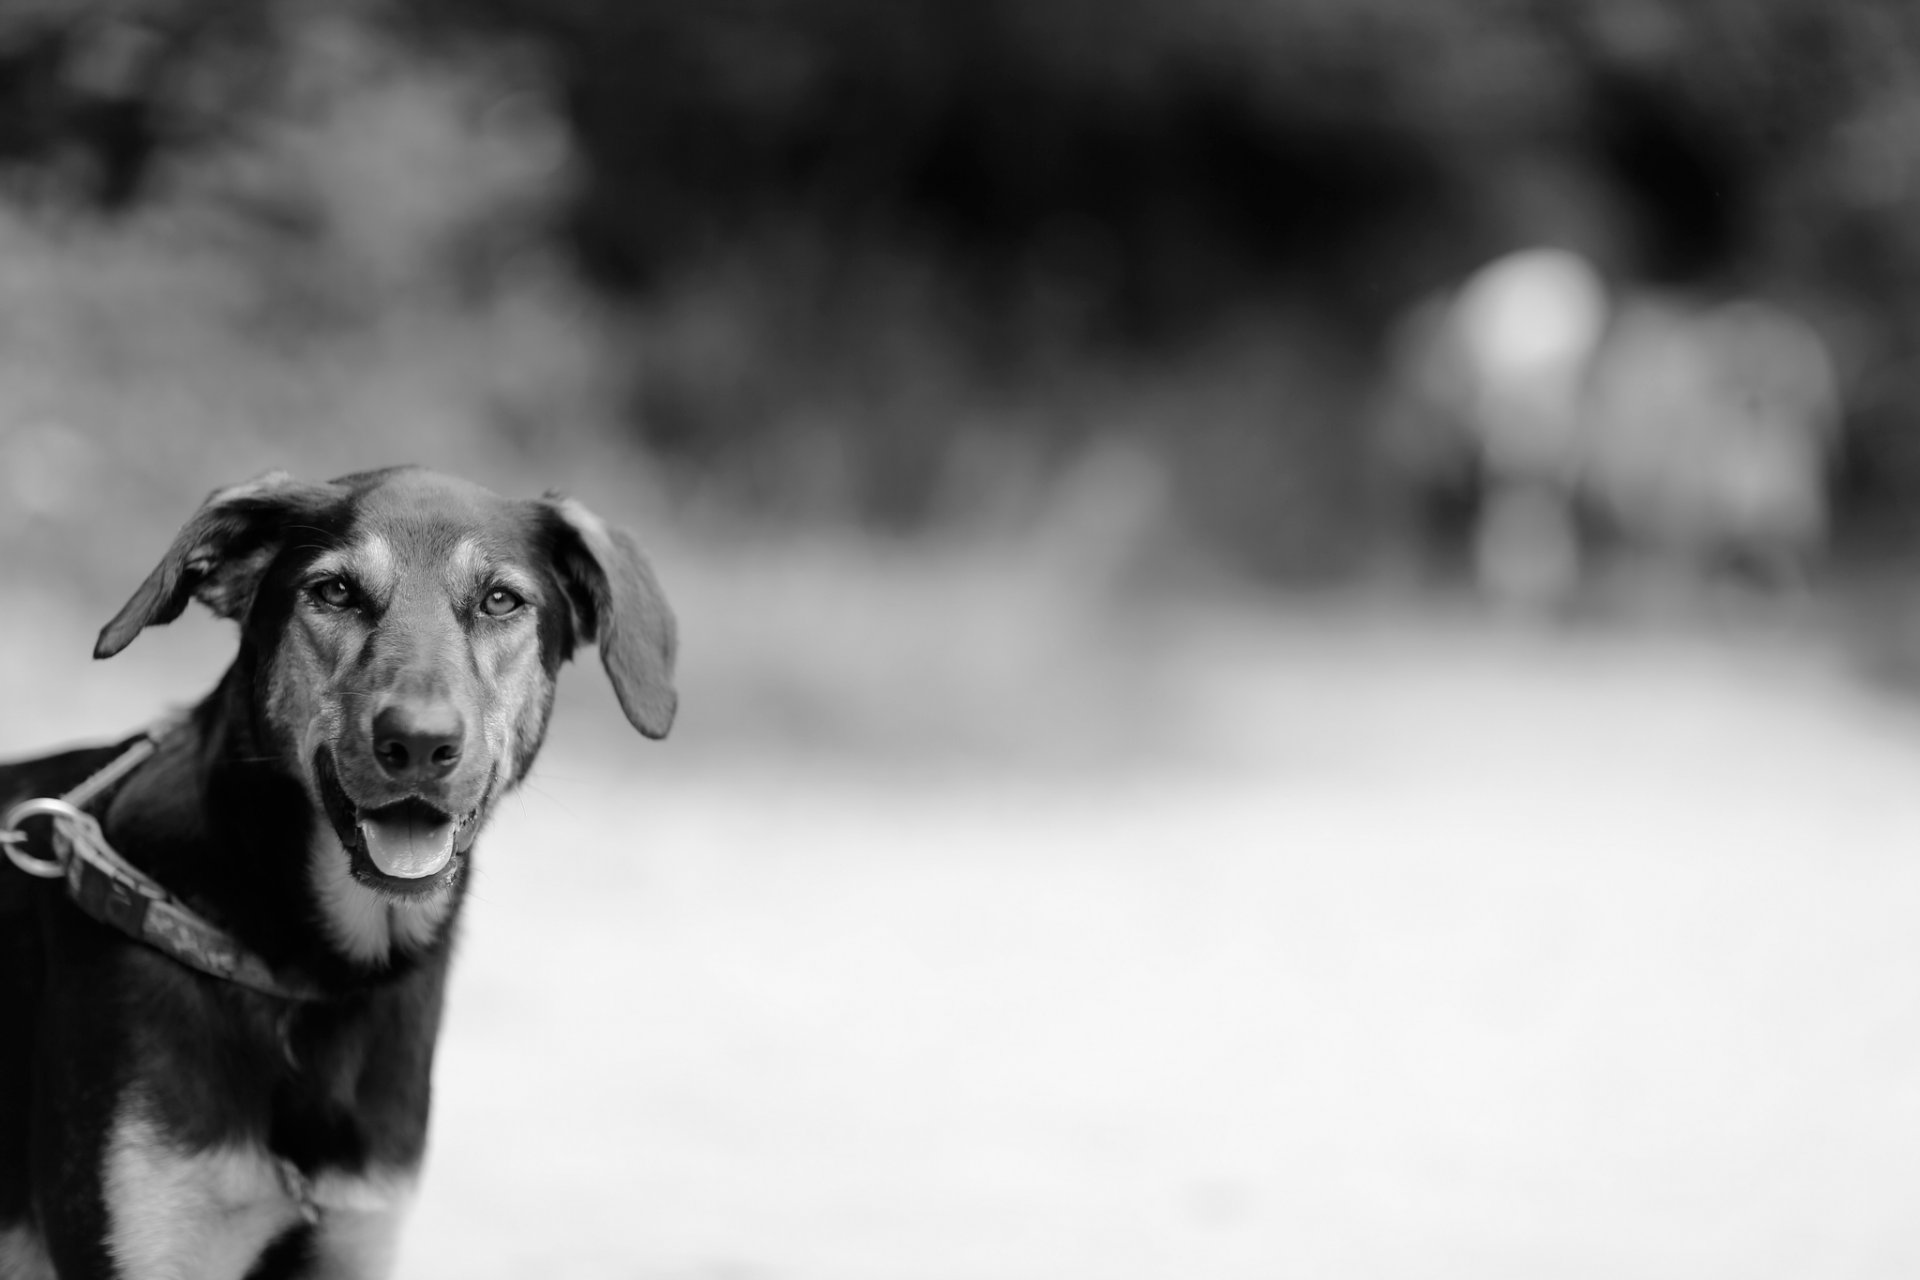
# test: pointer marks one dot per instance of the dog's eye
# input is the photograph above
(500, 602)
(333, 592)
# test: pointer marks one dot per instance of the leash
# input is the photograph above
(118, 894)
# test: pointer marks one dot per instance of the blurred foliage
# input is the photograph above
(357, 269)
(898, 257)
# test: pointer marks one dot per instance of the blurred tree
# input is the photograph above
(93, 96)
(778, 189)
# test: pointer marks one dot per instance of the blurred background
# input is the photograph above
(1299, 616)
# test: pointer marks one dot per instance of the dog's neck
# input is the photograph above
(219, 817)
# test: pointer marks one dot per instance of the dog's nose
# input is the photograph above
(414, 742)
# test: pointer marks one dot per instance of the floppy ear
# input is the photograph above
(616, 600)
(219, 556)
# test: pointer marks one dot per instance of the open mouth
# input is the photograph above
(409, 848)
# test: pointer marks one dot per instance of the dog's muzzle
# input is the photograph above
(408, 847)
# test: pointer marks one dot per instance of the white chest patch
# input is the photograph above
(23, 1257)
(359, 1228)
(364, 924)
(180, 1215)
(174, 1214)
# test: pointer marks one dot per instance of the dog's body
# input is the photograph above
(401, 633)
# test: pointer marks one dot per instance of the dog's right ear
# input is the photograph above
(616, 600)
(219, 555)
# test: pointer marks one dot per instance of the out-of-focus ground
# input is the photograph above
(1356, 940)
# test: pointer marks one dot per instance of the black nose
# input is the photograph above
(417, 741)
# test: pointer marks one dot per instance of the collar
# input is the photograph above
(113, 891)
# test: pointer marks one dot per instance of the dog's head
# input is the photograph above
(403, 631)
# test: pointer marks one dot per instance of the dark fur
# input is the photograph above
(222, 817)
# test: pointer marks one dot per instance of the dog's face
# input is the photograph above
(404, 631)
(408, 669)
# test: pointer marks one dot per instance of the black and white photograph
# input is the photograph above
(959, 640)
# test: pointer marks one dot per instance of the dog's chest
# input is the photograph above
(340, 1084)
(241, 1127)
(175, 1209)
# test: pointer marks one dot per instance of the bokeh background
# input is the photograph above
(1298, 615)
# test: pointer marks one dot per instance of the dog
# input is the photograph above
(243, 1090)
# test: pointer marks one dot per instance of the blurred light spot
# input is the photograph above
(1693, 433)
(1536, 310)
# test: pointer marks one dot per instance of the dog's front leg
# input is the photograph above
(174, 1213)
(358, 1230)
(121, 1190)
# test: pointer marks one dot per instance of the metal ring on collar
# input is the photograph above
(14, 842)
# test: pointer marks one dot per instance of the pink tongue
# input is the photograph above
(407, 846)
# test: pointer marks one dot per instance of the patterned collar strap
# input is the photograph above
(118, 894)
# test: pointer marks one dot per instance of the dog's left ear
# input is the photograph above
(218, 556)
(616, 600)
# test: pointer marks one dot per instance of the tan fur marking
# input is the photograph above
(359, 1230)
(23, 1256)
(373, 559)
(329, 562)
(294, 704)
(414, 925)
(467, 563)
(371, 562)
(188, 1215)
(497, 730)
(512, 669)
